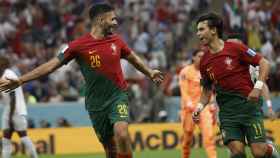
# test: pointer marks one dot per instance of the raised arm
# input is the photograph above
(138, 63)
(42, 70)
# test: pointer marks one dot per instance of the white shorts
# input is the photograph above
(19, 121)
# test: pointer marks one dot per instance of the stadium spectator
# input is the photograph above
(63, 122)
(45, 124)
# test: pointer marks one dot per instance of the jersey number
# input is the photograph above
(212, 77)
(122, 109)
(258, 129)
(95, 61)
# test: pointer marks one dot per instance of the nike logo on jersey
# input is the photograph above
(91, 52)
(228, 62)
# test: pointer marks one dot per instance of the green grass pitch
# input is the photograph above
(196, 153)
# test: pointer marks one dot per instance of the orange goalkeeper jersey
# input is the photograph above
(189, 81)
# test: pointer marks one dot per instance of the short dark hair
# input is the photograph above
(213, 20)
(99, 9)
(195, 52)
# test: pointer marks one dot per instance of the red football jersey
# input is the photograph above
(99, 55)
(229, 68)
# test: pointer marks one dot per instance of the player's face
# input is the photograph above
(204, 33)
(197, 58)
(109, 23)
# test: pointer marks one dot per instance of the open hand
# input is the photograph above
(157, 76)
(7, 85)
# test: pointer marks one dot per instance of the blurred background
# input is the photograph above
(162, 32)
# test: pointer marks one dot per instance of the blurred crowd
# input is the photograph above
(60, 122)
(32, 31)
(258, 23)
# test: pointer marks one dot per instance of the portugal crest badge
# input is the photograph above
(114, 48)
(228, 62)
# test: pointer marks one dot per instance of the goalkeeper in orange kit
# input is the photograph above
(189, 81)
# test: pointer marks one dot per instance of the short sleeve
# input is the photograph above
(66, 53)
(125, 50)
(248, 55)
(10, 75)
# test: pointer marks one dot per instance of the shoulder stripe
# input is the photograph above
(251, 52)
(63, 48)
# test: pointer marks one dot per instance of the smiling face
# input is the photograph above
(109, 22)
(205, 33)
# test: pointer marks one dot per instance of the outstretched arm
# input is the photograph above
(138, 63)
(42, 70)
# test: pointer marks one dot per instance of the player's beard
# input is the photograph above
(110, 29)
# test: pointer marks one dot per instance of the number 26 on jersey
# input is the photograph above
(95, 61)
